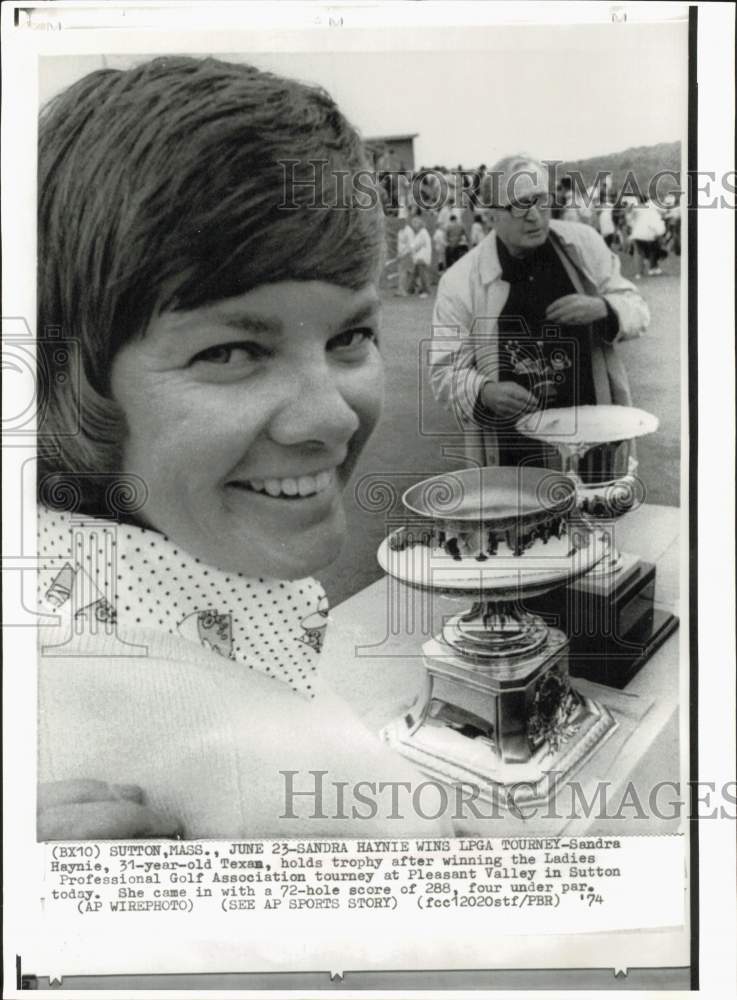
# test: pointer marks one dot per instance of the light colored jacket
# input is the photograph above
(471, 297)
(605, 218)
(647, 223)
(421, 247)
(405, 237)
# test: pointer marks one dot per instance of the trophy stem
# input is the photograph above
(611, 563)
(495, 628)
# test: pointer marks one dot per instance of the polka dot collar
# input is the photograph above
(99, 571)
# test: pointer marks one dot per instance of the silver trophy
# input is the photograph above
(609, 613)
(498, 708)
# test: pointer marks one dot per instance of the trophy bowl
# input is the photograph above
(499, 535)
(595, 446)
(498, 707)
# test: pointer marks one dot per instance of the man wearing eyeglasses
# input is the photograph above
(529, 319)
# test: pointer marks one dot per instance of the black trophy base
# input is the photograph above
(611, 621)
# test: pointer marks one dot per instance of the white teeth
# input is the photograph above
(272, 487)
(303, 486)
(307, 485)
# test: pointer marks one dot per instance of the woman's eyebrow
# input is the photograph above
(367, 312)
(250, 323)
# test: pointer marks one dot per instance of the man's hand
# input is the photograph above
(94, 810)
(576, 310)
(508, 400)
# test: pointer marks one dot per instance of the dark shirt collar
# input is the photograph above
(516, 269)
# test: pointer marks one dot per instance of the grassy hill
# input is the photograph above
(640, 163)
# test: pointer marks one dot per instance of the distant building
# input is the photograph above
(392, 152)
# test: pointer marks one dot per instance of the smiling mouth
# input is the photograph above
(291, 487)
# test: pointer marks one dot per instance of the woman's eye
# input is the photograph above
(229, 354)
(351, 339)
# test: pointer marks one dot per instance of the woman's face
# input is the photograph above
(246, 418)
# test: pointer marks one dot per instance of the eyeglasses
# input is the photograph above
(521, 209)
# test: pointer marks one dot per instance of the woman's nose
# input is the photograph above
(316, 409)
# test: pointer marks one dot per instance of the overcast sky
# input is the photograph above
(558, 92)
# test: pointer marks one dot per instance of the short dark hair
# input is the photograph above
(163, 187)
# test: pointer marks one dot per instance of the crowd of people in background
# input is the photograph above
(441, 214)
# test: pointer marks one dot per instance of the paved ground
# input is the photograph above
(406, 447)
